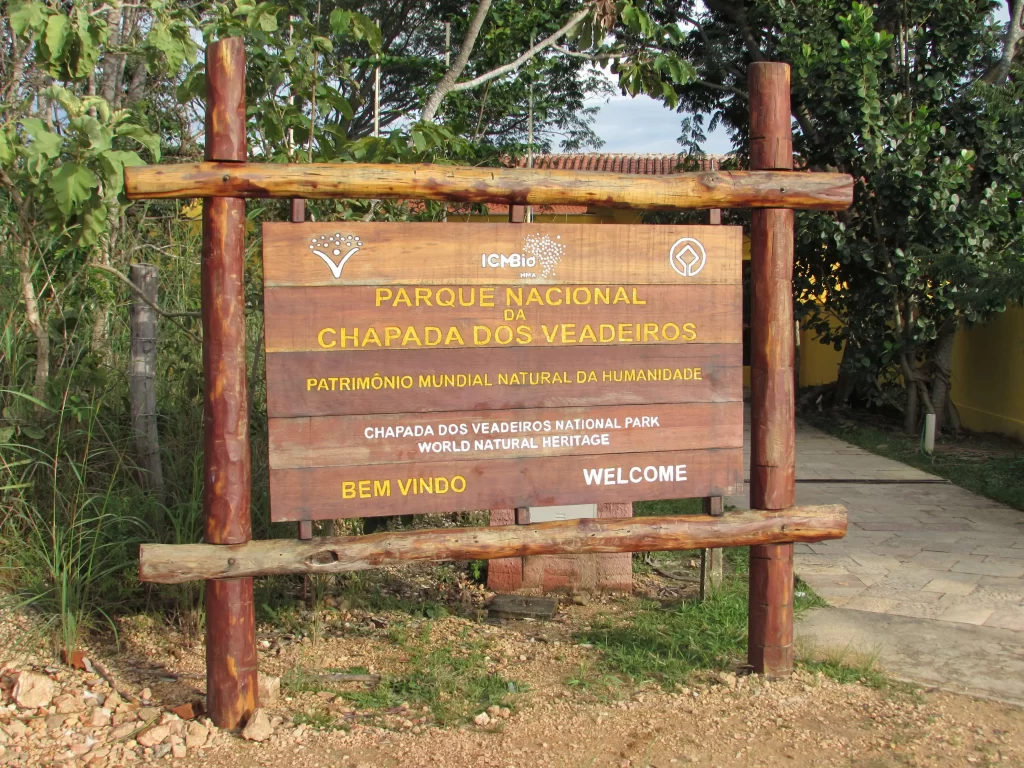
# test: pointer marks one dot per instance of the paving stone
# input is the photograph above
(873, 560)
(965, 547)
(966, 614)
(987, 568)
(872, 604)
(836, 593)
(1007, 618)
(917, 610)
(949, 587)
(1004, 560)
(996, 597)
(1001, 581)
(941, 561)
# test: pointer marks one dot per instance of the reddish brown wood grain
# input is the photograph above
(449, 254)
(770, 624)
(231, 663)
(341, 441)
(288, 375)
(773, 429)
(225, 103)
(680, 191)
(226, 433)
(771, 134)
(176, 563)
(318, 493)
(325, 318)
(772, 357)
(230, 622)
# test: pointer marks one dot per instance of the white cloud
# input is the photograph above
(642, 125)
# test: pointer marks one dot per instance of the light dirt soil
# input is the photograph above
(717, 720)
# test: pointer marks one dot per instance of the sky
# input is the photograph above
(644, 126)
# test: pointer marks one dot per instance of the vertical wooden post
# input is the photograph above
(773, 429)
(230, 622)
(298, 215)
(711, 559)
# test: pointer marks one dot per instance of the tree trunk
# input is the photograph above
(910, 420)
(36, 324)
(461, 60)
(942, 358)
(846, 381)
(142, 378)
(1011, 38)
(101, 324)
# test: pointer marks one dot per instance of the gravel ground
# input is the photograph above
(55, 715)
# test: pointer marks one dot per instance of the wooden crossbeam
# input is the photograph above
(176, 563)
(514, 186)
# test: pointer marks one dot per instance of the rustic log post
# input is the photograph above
(230, 620)
(298, 215)
(142, 377)
(711, 559)
(773, 429)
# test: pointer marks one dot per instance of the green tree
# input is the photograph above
(70, 124)
(921, 103)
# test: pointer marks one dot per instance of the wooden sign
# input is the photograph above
(416, 368)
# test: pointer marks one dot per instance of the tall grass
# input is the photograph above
(68, 531)
(72, 510)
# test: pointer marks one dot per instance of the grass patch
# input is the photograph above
(320, 719)
(844, 672)
(452, 679)
(666, 644)
(667, 507)
(988, 467)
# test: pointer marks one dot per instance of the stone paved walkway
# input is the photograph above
(929, 578)
(916, 548)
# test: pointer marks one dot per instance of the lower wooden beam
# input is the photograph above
(176, 563)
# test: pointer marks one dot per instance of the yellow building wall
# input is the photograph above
(988, 372)
(988, 375)
(819, 363)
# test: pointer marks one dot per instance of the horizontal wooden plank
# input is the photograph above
(317, 384)
(177, 563)
(681, 191)
(325, 441)
(362, 318)
(474, 253)
(321, 493)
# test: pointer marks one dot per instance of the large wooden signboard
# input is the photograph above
(416, 368)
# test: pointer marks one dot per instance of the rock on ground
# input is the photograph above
(258, 728)
(33, 690)
(269, 689)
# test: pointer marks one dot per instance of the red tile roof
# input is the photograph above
(649, 165)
